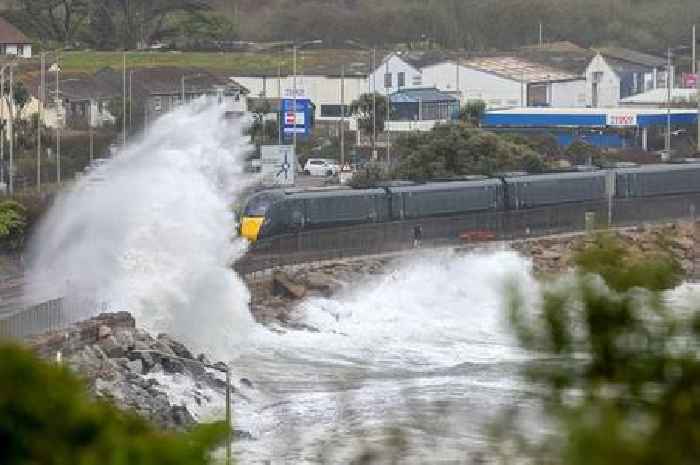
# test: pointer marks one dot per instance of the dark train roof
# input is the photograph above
(660, 168)
(569, 175)
(440, 186)
(334, 193)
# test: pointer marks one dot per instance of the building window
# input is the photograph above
(334, 111)
(417, 80)
(20, 50)
(597, 76)
(100, 107)
(388, 81)
(402, 79)
(157, 103)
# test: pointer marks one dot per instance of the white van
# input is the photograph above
(320, 167)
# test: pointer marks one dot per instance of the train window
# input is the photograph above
(258, 205)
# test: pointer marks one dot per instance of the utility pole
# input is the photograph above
(280, 125)
(124, 99)
(693, 65)
(2, 114)
(374, 105)
(342, 116)
(228, 415)
(697, 97)
(182, 89)
(541, 42)
(387, 103)
(39, 121)
(131, 100)
(12, 131)
(668, 104)
(59, 102)
(294, 104)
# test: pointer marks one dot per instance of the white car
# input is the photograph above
(320, 167)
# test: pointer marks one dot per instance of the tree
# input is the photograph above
(56, 19)
(459, 149)
(47, 417)
(472, 112)
(581, 152)
(365, 109)
(617, 362)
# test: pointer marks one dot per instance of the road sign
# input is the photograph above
(297, 116)
(278, 165)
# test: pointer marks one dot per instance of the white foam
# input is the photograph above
(151, 233)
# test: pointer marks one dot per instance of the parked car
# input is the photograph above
(320, 167)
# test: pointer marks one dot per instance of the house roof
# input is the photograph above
(422, 58)
(10, 34)
(168, 80)
(75, 87)
(518, 69)
(632, 57)
(424, 95)
(564, 56)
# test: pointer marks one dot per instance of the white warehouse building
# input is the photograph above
(500, 81)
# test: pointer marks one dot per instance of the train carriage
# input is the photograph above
(549, 189)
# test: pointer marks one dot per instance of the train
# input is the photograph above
(277, 212)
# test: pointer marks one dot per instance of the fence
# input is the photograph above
(47, 316)
(506, 225)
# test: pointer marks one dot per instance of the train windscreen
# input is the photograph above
(258, 205)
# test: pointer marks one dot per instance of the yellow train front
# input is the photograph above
(256, 214)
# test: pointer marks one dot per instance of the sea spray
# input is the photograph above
(152, 231)
(393, 350)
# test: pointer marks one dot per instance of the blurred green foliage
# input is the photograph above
(13, 221)
(617, 363)
(47, 418)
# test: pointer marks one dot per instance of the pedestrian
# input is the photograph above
(417, 235)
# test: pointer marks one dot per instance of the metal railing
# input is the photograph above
(48, 316)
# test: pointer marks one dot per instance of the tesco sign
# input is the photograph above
(622, 119)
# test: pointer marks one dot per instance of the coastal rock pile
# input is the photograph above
(134, 370)
(555, 254)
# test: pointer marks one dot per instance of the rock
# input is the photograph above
(203, 359)
(112, 348)
(178, 348)
(181, 416)
(283, 285)
(172, 365)
(135, 366)
(103, 332)
(220, 366)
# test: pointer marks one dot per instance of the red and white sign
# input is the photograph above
(289, 118)
(622, 119)
(690, 81)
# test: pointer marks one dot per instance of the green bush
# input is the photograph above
(616, 364)
(47, 418)
(13, 223)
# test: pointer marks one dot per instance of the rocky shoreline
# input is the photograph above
(156, 377)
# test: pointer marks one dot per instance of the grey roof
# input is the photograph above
(75, 87)
(10, 34)
(168, 80)
(424, 95)
(632, 56)
(422, 58)
(622, 66)
(564, 56)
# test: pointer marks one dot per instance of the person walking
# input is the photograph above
(417, 235)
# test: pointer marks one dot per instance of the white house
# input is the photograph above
(615, 74)
(13, 41)
(323, 91)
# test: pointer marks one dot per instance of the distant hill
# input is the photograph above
(648, 25)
